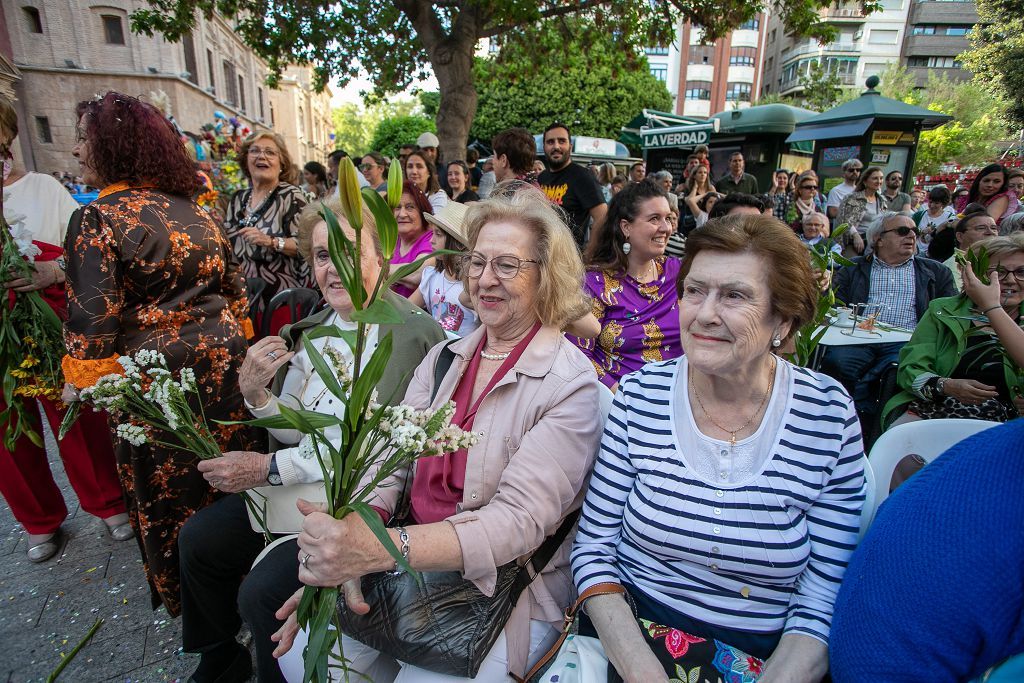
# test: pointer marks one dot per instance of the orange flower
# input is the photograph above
(85, 373)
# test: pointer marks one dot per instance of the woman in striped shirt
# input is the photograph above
(727, 493)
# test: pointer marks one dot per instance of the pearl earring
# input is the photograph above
(626, 247)
(776, 342)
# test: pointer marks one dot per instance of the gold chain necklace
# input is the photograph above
(733, 432)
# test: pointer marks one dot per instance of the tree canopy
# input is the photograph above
(355, 124)
(595, 87)
(996, 54)
(397, 41)
(394, 132)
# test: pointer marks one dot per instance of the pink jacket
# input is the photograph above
(540, 428)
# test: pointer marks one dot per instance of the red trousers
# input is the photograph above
(27, 484)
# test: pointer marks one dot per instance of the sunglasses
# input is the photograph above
(903, 231)
(808, 187)
(854, 170)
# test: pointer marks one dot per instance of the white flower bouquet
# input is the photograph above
(377, 441)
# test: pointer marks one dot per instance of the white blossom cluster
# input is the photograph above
(424, 431)
(342, 368)
(132, 433)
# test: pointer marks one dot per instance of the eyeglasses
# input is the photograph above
(268, 153)
(808, 187)
(854, 170)
(504, 267)
(903, 231)
(1017, 273)
(367, 167)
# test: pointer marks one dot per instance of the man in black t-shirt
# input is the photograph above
(569, 185)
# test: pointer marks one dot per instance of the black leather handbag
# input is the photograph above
(443, 623)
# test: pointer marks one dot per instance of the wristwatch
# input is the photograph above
(279, 244)
(61, 263)
(273, 475)
(933, 388)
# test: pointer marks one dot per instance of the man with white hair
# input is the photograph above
(901, 283)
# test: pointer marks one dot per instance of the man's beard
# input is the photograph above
(558, 166)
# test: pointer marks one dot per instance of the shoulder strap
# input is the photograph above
(444, 362)
(570, 617)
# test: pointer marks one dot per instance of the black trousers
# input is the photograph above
(220, 587)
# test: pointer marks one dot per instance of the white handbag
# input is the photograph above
(277, 506)
(581, 659)
(574, 658)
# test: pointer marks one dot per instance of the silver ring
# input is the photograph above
(272, 355)
(305, 560)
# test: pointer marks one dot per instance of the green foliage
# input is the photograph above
(821, 88)
(977, 125)
(355, 125)
(401, 130)
(590, 81)
(996, 55)
(431, 102)
(824, 262)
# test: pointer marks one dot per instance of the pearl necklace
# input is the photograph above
(494, 356)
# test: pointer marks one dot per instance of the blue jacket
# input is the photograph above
(931, 281)
(933, 592)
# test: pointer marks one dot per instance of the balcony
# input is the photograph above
(793, 84)
(831, 48)
(843, 15)
(943, 13)
(934, 46)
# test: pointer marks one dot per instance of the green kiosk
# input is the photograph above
(879, 131)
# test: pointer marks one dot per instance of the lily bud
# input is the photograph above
(348, 193)
(394, 185)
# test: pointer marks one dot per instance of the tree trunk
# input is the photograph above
(451, 56)
(458, 103)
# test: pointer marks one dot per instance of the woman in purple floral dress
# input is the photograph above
(631, 284)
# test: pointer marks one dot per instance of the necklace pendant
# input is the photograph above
(732, 440)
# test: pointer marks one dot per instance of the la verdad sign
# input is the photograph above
(655, 139)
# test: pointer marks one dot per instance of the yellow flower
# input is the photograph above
(29, 362)
(20, 374)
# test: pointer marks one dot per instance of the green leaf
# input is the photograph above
(384, 216)
(320, 645)
(327, 375)
(373, 521)
(342, 251)
(410, 268)
(379, 312)
(368, 378)
(304, 421)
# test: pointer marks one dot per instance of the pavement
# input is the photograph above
(46, 609)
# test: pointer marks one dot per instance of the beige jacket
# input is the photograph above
(539, 430)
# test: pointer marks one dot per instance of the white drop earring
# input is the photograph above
(626, 247)
(776, 343)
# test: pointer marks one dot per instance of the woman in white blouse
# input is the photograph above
(218, 545)
(727, 493)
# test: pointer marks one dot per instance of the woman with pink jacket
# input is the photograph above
(533, 399)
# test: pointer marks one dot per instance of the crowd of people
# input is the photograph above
(618, 342)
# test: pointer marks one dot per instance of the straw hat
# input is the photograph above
(451, 219)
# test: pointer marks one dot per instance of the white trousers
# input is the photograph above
(380, 668)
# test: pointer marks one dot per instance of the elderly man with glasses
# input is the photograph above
(892, 276)
(973, 227)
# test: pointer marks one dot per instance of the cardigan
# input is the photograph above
(539, 429)
(765, 554)
(933, 592)
(935, 349)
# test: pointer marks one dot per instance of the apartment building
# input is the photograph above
(70, 50)
(706, 79)
(863, 47)
(302, 116)
(937, 32)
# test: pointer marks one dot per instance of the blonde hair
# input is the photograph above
(1001, 245)
(560, 298)
(310, 218)
(8, 121)
(287, 174)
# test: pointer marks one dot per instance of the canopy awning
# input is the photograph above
(632, 132)
(830, 131)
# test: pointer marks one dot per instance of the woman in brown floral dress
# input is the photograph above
(148, 269)
(261, 221)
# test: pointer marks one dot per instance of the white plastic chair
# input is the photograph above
(925, 438)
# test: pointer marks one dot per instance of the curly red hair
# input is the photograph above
(131, 141)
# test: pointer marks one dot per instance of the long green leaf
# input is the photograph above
(326, 603)
(342, 252)
(327, 375)
(373, 521)
(314, 419)
(407, 269)
(379, 312)
(387, 226)
(363, 387)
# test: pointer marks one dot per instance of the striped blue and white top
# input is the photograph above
(763, 553)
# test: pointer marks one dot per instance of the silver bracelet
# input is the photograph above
(403, 536)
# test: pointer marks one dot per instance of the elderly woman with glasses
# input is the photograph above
(953, 366)
(374, 168)
(532, 398)
(260, 220)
